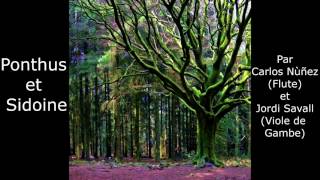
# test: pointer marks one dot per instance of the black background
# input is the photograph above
(287, 28)
(35, 145)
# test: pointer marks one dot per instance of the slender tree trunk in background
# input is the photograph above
(162, 130)
(249, 123)
(122, 125)
(117, 117)
(179, 134)
(125, 128)
(157, 129)
(174, 127)
(82, 124)
(161, 113)
(169, 128)
(108, 117)
(149, 125)
(121, 115)
(237, 134)
(132, 131)
(136, 127)
(72, 133)
(78, 138)
(249, 127)
(129, 130)
(194, 131)
(165, 126)
(86, 116)
(187, 130)
(72, 125)
(96, 117)
(145, 120)
(117, 130)
(184, 129)
(191, 131)
(77, 123)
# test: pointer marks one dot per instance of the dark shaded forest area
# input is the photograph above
(141, 91)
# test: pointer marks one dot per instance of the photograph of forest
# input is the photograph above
(159, 89)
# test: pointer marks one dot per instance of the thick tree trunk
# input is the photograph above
(206, 132)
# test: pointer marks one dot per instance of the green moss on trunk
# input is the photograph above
(206, 151)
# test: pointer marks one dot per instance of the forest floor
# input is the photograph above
(149, 170)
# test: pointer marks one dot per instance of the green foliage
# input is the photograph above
(226, 133)
(106, 58)
(190, 155)
(237, 162)
(199, 161)
(196, 91)
(222, 137)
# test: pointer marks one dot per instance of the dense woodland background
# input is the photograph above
(119, 110)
